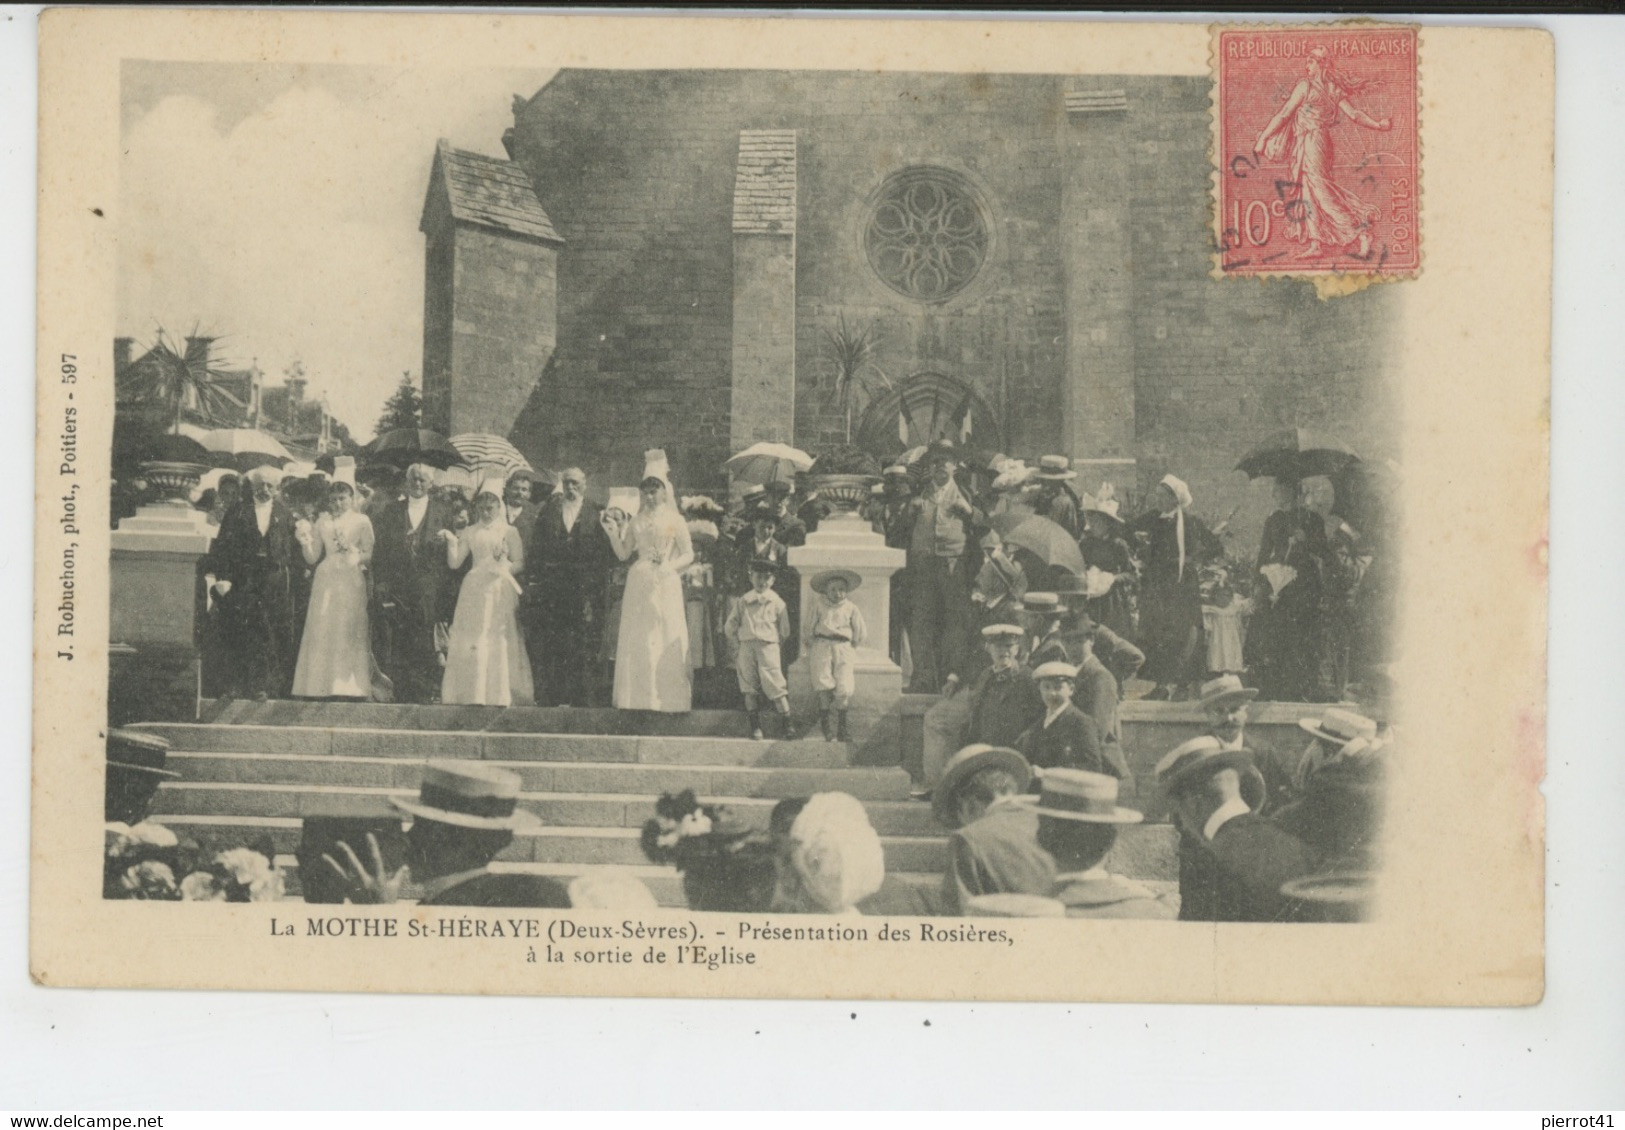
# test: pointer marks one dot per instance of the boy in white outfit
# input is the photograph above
(836, 630)
(757, 623)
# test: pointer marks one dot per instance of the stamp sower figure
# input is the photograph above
(994, 848)
(254, 560)
(837, 630)
(409, 570)
(758, 624)
(567, 561)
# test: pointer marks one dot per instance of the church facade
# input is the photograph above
(680, 259)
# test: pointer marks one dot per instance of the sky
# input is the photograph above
(276, 208)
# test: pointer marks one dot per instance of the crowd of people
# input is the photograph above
(437, 586)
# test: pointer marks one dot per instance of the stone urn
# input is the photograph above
(844, 493)
(173, 482)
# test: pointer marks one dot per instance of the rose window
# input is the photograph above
(928, 236)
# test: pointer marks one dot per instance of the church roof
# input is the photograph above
(765, 182)
(490, 192)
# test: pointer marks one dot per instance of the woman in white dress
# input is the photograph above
(652, 669)
(335, 652)
(486, 663)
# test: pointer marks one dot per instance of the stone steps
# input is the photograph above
(547, 844)
(496, 719)
(353, 741)
(647, 781)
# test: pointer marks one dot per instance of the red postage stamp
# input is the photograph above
(1317, 151)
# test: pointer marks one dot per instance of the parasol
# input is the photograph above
(490, 454)
(404, 446)
(244, 441)
(1296, 454)
(1047, 540)
(768, 462)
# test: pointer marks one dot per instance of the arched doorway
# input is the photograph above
(923, 408)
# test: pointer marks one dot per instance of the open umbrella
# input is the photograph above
(405, 446)
(244, 441)
(488, 453)
(1296, 454)
(768, 462)
(1047, 540)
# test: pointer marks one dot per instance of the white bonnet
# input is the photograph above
(836, 851)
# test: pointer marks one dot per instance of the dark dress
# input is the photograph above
(257, 617)
(1284, 637)
(1111, 555)
(1171, 599)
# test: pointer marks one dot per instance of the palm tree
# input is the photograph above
(182, 380)
(853, 354)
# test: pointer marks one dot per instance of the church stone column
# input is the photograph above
(1097, 401)
(764, 323)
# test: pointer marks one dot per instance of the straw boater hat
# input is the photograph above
(1010, 904)
(821, 581)
(1003, 631)
(1042, 603)
(138, 752)
(1055, 468)
(469, 795)
(1076, 794)
(1198, 759)
(896, 470)
(1055, 669)
(1224, 690)
(966, 764)
(1340, 727)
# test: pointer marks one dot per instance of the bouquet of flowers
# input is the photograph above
(726, 864)
(141, 860)
(237, 875)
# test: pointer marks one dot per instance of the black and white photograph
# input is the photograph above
(770, 504)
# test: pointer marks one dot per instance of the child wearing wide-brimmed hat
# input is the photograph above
(757, 624)
(837, 630)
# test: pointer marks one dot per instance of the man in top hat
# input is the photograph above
(943, 556)
(994, 847)
(1232, 861)
(255, 560)
(1000, 705)
(409, 578)
(1065, 736)
(465, 815)
(1078, 818)
(1055, 499)
(567, 562)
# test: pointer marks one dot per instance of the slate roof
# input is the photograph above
(765, 182)
(492, 193)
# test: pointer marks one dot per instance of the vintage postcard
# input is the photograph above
(791, 508)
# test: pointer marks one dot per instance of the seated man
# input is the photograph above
(1002, 702)
(1065, 736)
(994, 848)
(1078, 818)
(1224, 704)
(1287, 773)
(1232, 862)
(465, 815)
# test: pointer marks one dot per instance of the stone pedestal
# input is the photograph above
(156, 600)
(845, 541)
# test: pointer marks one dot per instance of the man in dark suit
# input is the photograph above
(994, 848)
(465, 815)
(1065, 737)
(567, 560)
(253, 561)
(520, 502)
(409, 572)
